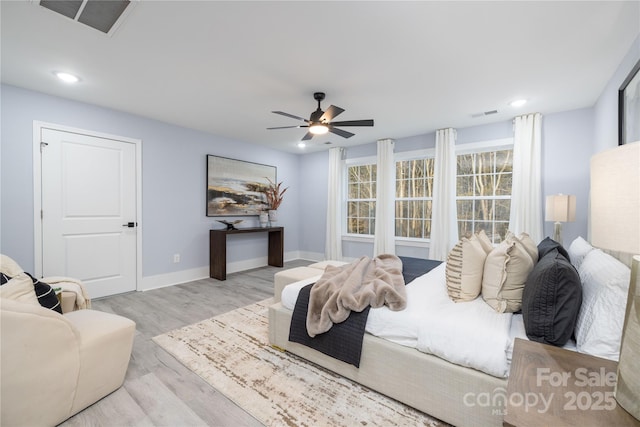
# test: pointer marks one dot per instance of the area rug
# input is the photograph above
(232, 353)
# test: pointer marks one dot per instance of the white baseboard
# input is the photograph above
(183, 276)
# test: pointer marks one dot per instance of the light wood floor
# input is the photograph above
(158, 390)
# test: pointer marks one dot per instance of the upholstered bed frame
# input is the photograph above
(441, 389)
(455, 394)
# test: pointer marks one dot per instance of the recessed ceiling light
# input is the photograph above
(518, 102)
(301, 144)
(67, 77)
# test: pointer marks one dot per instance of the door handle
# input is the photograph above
(130, 224)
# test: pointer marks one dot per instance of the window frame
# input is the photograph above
(483, 147)
(408, 156)
(359, 161)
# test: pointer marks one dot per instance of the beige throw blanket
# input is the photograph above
(353, 287)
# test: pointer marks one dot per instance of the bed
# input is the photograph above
(456, 394)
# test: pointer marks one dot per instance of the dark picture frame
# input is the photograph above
(236, 187)
(629, 107)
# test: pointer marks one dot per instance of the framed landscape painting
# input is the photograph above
(236, 187)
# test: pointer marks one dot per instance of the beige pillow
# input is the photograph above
(465, 264)
(9, 267)
(529, 245)
(20, 288)
(484, 241)
(505, 272)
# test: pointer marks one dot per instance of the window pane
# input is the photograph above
(402, 188)
(484, 162)
(427, 229)
(501, 229)
(483, 210)
(464, 186)
(401, 229)
(465, 209)
(465, 228)
(503, 184)
(352, 209)
(504, 161)
(416, 209)
(465, 164)
(503, 208)
(484, 185)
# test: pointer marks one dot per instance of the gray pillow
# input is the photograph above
(551, 299)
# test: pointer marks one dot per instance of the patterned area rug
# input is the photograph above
(232, 353)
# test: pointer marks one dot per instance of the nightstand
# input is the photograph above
(551, 386)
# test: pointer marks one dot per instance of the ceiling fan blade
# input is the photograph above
(307, 136)
(282, 113)
(331, 112)
(340, 132)
(288, 127)
(354, 123)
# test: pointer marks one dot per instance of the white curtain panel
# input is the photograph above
(333, 243)
(526, 193)
(385, 240)
(444, 218)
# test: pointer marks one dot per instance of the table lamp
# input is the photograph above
(560, 208)
(615, 225)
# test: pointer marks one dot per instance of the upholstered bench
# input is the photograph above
(292, 275)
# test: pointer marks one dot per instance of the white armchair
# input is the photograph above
(52, 366)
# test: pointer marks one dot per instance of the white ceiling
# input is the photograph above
(413, 67)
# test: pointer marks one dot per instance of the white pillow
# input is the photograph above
(578, 249)
(505, 272)
(605, 285)
(465, 264)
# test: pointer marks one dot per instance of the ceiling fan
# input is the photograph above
(320, 121)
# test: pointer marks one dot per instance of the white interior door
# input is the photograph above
(89, 211)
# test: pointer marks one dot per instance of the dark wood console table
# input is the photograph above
(218, 248)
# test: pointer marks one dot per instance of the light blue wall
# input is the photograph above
(566, 153)
(173, 181)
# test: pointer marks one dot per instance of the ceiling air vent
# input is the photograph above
(485, 113)
(99, 14)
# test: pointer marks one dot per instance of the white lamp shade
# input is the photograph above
(560, 208)
(615, 199)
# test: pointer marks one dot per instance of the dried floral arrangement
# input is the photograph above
(274, 194)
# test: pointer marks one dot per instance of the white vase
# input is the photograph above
(264, 219)
(273, 217)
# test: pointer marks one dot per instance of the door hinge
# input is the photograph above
(41, 214)
(42, 145)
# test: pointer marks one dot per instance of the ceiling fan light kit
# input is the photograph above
(318, 129)
(320, 122)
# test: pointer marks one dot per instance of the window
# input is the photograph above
(361, 199)
(483, 184)
(414, 195)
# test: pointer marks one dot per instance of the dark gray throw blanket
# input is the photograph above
(344, 340)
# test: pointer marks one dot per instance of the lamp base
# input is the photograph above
(557, 232)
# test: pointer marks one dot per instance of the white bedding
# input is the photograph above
(470, 334)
